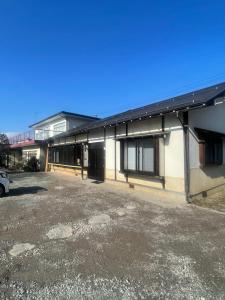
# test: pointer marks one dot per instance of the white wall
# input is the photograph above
(205, 178)
(68, 122)
(110, 150)
(210, 118)
(145, 126)
(174, 148)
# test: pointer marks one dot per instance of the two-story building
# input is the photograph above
(33, 143)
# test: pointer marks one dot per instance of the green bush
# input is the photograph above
(32, 165)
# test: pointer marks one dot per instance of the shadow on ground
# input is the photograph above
(26, 190)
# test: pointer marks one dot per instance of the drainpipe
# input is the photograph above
(185, 126)
(115, 153)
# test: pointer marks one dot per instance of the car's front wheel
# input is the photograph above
(2, 190)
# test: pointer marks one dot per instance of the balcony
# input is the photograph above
(30, 137)
(42, 134)
(22, 137)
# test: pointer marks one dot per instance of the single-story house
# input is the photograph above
(174, 148)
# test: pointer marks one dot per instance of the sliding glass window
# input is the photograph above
(140, 155)
(66, 155)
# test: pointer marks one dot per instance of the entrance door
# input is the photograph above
(96, 160)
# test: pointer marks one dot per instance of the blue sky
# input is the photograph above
(103, 57)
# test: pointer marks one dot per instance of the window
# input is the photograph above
(60, 127)
(66, 155)
(211, 151)
(210, 147)
(140, 155)
(28, 154)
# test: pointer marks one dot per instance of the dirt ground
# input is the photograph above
(63, 238)
(215, 201)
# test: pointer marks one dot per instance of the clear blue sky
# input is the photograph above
(103, 57)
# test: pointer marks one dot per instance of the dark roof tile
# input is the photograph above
(192, 99)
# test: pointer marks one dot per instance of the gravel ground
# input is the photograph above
(215, 201)
(63, 238)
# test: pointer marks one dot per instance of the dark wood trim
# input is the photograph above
(82, 161)
(163, 123)
(126, 126)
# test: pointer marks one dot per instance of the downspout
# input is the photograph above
(104, 153)
(127, 149)
(163, 130)
(115, 153)
(185, 126)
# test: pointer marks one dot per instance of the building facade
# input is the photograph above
(34, 142)
(174, 148)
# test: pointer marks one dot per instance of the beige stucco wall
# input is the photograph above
(174, 155)
(171, 154)
(210, 118)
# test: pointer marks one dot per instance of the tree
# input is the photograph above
(4, 149)
(4, 139)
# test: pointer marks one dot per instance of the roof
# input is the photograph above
(22, 144)
(65, 114)
(202, 97)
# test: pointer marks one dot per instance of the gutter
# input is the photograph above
(185, 126)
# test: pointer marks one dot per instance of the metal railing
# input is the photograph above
(33, 135)
(22, 137)
(42, 134)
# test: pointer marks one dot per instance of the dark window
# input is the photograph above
(66, 155)
(213, 151)
(140, 155)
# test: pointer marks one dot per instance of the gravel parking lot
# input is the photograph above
(63, 238)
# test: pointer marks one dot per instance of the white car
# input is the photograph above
(4, 183)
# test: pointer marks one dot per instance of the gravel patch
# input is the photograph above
(60, 232)
(100, 219)
(121, 212)
(18, 249)
(131, 206)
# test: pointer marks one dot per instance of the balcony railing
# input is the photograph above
(33, 135)
(22, 137)
(42, 134)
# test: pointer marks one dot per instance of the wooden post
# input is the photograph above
(46, 160)
(82, 160)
